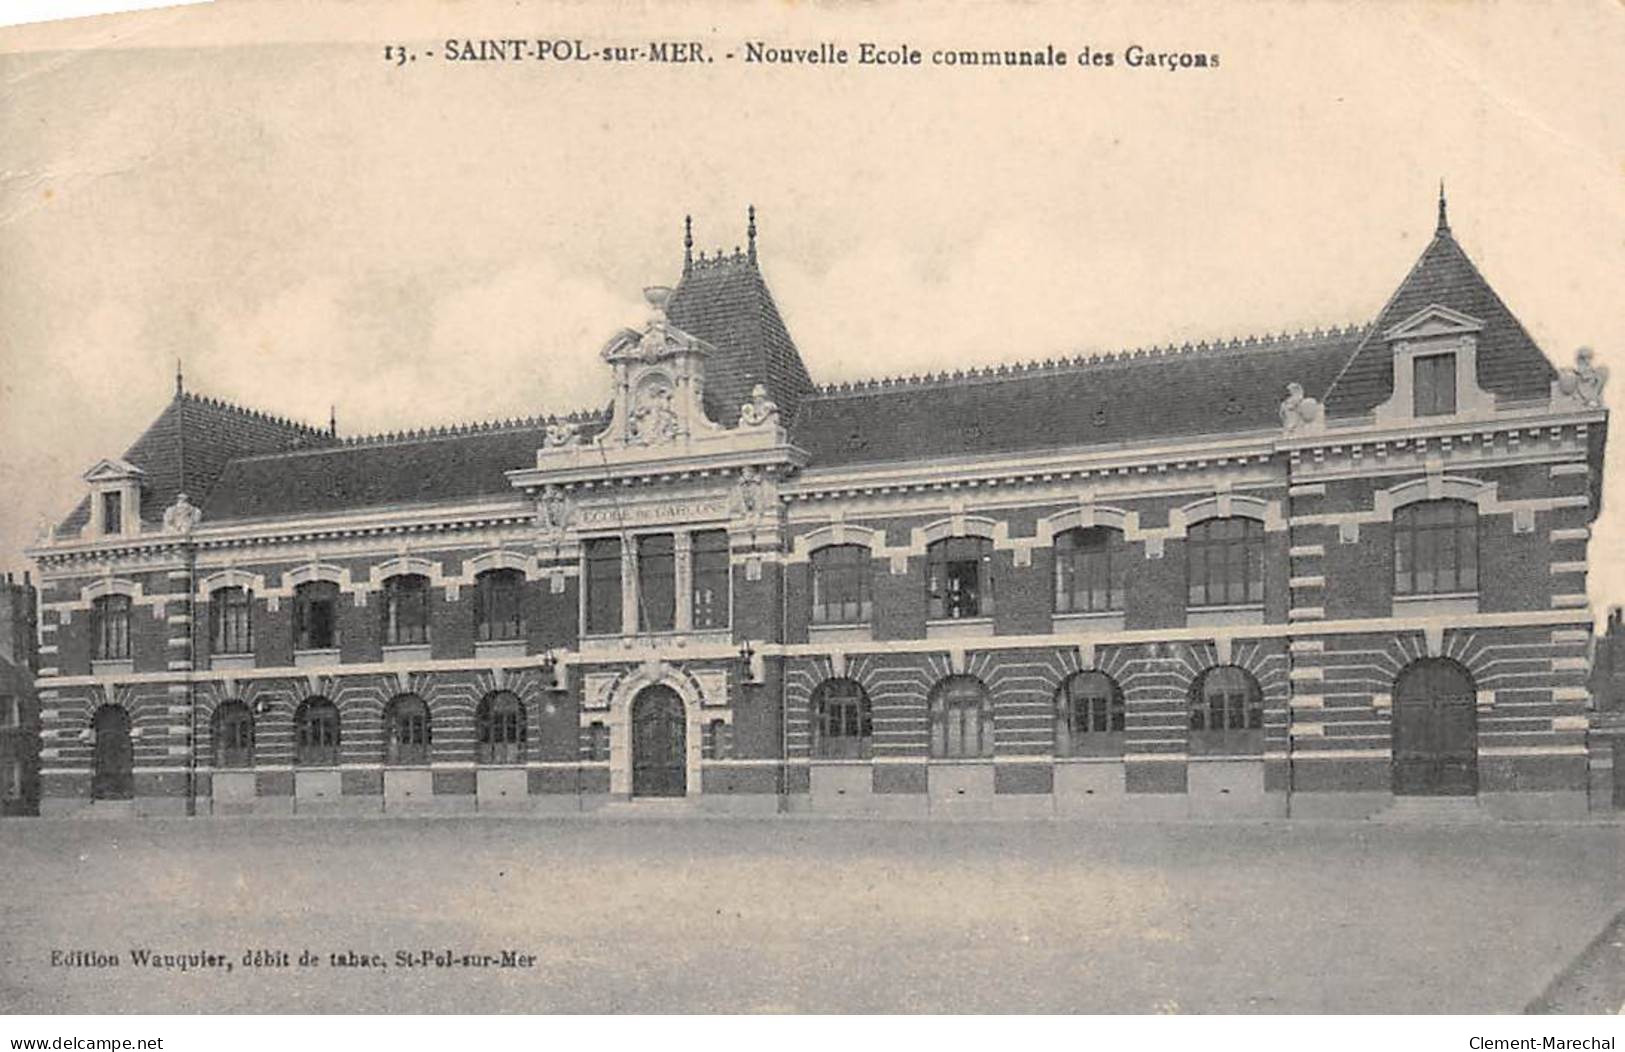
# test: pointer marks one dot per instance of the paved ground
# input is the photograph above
(816, 916)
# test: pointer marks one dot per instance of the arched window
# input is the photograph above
(1090, 716)
(1225, 562)
(961, 718)
(498, 605)
(316, 733)
(110, 627)
(959, 578)
(407, 730)
(842, 726)
(315, 616)
(1227, 711)
(231, 625)
(500, 726)
(1436, 548)
(406, 610)
(1088, 568)
(840, 585)
(233, 727)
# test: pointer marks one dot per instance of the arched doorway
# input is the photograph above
(1435, 730)
(114, 777)
(659, 743)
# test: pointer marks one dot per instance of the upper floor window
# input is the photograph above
(1090, 716)
(1226, 562)
(842, 726)
(1436, 548)
(498, 609)
(406, 610)
(1227, 711)
(315, 615)
(711, 581)
(840, 585)
(961, 718)
(959, 578)
(316, 733)
(603, 585)
(407, 730)
(112, 512)
(657, 583)
(10, 715)
(1434, 386)
(500, 726)
(1088, 568)
(233, 726)
(110, 627)
(231, 620)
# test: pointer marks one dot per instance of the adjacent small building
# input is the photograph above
(19, 712)
(1301, 574)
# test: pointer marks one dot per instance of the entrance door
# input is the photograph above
(659, 744)
(114, 777)
(1435, 730)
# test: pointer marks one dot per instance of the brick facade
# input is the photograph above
(1263, 676)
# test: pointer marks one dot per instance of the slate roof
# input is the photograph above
(1509, 363)
(725, 302)
(238, 464)
(445, 465)
(1161, 394)
(187, 448)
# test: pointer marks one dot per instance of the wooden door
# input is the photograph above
(114, 777)
(659, 744)
(1435, 731)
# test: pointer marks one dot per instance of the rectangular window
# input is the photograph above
(406, 610)
(603, 586)
(112, 512)
(711, 581)
(315, 616)
(1225, 562)
(958, 580)
(657, 583)
(231, 624)
(1436, 548)
(1435, 384)
(840, 585)
(110, 625)
(9, 716)
(497, 605)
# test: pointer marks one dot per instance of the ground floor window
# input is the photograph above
(961, 719)
(233, 735)
(316, 733)
(843, 728)
(1090, 716)
(1226, 711)
(500, 728)
(407, 730)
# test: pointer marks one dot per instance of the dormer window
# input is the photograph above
(115, 498)
(1434, 387)
(113, 512)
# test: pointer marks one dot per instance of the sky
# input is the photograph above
(250, 189)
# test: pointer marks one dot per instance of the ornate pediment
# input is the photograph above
(114, 470)
(658, 423)
(1434, 320)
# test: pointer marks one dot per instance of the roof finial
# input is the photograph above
(333, 420)
(180, 383)
(1444, 221)
(688, 243)
(750, 232)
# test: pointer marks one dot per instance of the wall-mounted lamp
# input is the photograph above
(550, 671)
(750, 671)
(262, 707)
